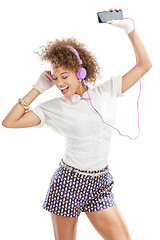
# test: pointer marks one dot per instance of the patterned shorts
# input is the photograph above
(71, 192)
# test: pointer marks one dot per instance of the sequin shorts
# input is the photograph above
(72, 191)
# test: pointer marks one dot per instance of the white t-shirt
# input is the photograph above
(87, 136)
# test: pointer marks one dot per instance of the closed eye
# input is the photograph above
(55, 78)
(65, 77)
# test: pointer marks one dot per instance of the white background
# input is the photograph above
(30, 156)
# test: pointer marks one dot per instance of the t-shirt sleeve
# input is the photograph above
(50, 113)
(39, 112)
(113, 86)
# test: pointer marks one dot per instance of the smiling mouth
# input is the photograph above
(65, 90)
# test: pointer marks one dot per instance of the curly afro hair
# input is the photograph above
(56, 52)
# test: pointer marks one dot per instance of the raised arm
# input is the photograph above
(142, 59)
(18, 117)
(143, 65)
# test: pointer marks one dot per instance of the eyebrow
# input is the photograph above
(62, 73)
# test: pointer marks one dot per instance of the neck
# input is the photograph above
(81, 89)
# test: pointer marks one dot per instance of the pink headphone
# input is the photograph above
(82, 73)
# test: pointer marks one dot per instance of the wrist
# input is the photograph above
(38, 89)
(23, 104)
(130, 26)
(31, 96)
(130, 35)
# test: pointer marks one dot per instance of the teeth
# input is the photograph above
(63, 88)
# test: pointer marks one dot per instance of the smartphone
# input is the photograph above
(106, 16)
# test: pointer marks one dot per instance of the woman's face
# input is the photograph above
(65, 78)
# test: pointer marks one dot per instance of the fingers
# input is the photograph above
(116, 9)
(111, 9)
(48, 74)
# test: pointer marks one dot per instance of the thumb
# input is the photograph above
(109, 22)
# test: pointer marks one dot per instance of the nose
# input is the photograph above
(60, 82)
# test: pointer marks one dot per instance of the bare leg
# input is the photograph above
(64, 227)
(109, 224)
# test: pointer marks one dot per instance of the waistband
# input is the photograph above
(83, 172)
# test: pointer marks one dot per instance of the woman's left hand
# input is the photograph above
(126, 24)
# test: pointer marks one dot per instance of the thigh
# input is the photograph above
(109, 224)
(64, 227)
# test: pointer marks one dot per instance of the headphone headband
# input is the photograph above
(75, 52)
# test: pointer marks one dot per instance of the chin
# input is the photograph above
(68, 95)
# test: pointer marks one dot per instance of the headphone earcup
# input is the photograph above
(81, 74)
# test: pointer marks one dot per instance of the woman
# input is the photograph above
(82, 182)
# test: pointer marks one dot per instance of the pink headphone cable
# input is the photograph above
(138, 95)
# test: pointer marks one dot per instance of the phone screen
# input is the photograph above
(109, 16)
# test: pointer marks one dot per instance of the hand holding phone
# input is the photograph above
(126, 24)
(116, 19)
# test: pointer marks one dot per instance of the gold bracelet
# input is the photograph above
(23, 104)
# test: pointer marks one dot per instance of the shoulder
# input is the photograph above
(113, 86)
(50, 104)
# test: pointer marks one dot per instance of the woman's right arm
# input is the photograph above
(18, 117)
